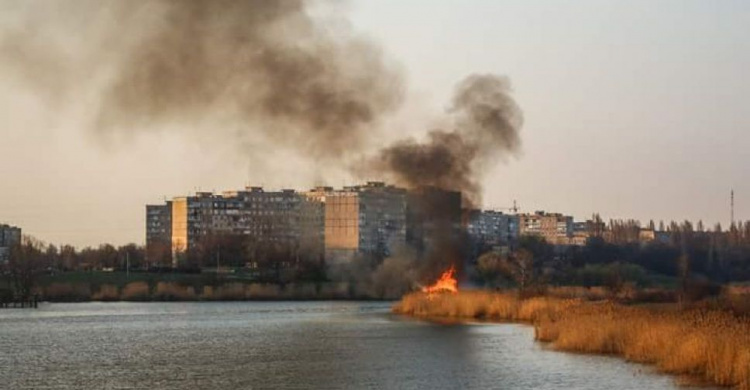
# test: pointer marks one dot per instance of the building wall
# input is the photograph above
(492, 227)
(179, 227)
(9, 236)
(342, 221)
(365, 219)
(159, 223)
(285, 217)
(556, 229)
(382, 217)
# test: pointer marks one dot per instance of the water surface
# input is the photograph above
(292, 345)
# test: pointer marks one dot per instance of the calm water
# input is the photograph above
(325, 345)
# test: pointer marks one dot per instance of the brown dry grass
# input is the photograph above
(711, 344)
(135, 291)
(168, 291)
(107, 292)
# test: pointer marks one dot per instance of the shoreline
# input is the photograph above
(706, 346)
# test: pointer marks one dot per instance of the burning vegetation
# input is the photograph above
(446, 283)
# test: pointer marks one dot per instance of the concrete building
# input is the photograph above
(159, 233)
(492, 227)
(556, 229)
(581, 233)
(284, 217)
(368, 219)
(9, 237)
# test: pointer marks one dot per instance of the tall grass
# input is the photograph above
(708, 343)
(176, 291)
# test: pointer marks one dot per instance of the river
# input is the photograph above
(291, 345)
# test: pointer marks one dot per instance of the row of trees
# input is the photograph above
(617, 249)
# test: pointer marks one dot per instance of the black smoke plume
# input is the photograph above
(486, 123)
(268, 66)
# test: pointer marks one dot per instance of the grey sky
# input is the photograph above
(632, 109)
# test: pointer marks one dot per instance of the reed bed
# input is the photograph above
(174, 291)
(707, 343)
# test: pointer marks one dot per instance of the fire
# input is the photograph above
(446, 283)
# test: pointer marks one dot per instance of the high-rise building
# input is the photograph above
(368, 219)
(492, 228)
(159, 234)
(9, 237)
(281, 218)
(556, 229)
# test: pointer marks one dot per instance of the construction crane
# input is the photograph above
(514, 209)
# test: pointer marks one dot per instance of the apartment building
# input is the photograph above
(284, 217)
(159, 233)
(9, 236)
(493, 228)
(366, 219)
(555, 228)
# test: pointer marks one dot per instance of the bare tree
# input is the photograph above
(24, 266)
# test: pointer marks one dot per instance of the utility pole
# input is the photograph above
(127, 265)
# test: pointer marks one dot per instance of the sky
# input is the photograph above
(632, 109)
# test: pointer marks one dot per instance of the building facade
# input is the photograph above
(369, 219)
(159, 234)
(9, 237)
(285, 219)
(556, 229)
(492, 228)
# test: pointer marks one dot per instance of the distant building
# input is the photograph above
(368, 219)
(646, 236)
(9, 237)
(581, 233)
(285, 219)
(278, 217)
(159, 233)
(556, 229)
(492, 227)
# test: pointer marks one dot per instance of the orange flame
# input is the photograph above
(446, 283)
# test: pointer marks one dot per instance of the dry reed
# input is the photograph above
(107, 292)
(711, 344)
(135, 291)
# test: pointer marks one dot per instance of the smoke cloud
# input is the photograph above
(269, 66)
(486, 123)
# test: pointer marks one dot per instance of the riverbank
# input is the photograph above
(164, 291)
(701, 341)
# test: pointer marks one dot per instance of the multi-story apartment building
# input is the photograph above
(492, 228)
(556, 229)
(368, 219)
(282, 218)
(159, 233)
(9, 236)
